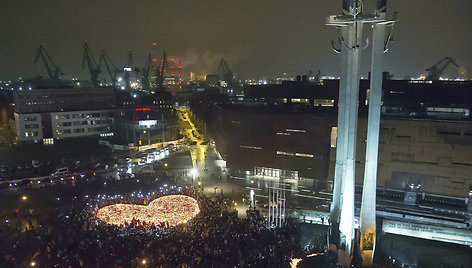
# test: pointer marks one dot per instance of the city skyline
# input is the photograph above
(258, 40)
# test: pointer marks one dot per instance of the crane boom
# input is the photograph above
(94, 69)
(128, 69)
(146, 72)
(160, 74)
(224, 71)
(48, 63)
(437, 70)
(111, 68)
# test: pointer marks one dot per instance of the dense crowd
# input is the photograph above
(216, 237)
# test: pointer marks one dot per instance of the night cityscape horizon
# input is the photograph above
(258, 40)
(195, 133)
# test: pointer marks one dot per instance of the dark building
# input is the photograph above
(290, 128)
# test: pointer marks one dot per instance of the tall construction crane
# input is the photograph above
(92, 65)
(111, 68)
(146, 71)
(225, 72)
(54, 72)
(227, 78)
(127, 69)
(437, 70)
(161, 72)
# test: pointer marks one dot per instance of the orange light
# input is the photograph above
(154, 60)
(180, 66)
(172, 74)
(172, 59)
(154, 44)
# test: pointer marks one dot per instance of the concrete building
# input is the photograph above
(48, 114)
(425, 134)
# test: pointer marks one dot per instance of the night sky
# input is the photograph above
(258, 38)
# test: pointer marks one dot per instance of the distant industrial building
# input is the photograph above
(289, 130)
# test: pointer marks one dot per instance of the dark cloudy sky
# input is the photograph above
(258, 38)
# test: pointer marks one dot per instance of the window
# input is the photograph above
(323, 102)
(67, 131)
(66, 124)
(283, 133)
(30, 118)
(295, 130)
(79, 130)
(250, 147)
(304, 155)
(334, 136)
(30, 126)
(285, 153)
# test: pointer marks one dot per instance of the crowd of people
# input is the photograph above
(75, 237)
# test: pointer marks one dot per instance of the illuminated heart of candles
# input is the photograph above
(169, 209)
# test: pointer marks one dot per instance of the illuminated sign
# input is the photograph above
(127, 69)
(142, 109)
(147, 123)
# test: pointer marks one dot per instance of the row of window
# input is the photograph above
(32, 134)
(316, 102)
(84, 123)
(31, 126)
(81, 130)
(30, 118)
(295, 154)
(250, 147)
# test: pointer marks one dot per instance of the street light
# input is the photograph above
(24, 198)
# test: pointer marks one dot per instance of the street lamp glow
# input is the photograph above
(144, 261)
(193, 171)
(199, 183)
(33, 263)
(24, 197)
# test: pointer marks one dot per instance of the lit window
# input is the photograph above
(334, 135)
(283, 133)
(285, 153)
(323, 102)
(295, 130)
(304, 155)
(300, 100)
(250, 147)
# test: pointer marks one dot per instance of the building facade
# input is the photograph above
(48, 114)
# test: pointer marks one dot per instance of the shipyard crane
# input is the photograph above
(225, 72)
(111, 68)
(146, 71)
(94, 69)
(128, 69)
(437, 70)
(54, 72)
(161, 72)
